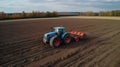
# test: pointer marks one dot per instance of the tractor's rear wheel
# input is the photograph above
(67, 39)
(55, 41)
(77, 38)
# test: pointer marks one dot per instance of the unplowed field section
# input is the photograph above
(21, 44)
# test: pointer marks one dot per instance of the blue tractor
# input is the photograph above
(57, 37)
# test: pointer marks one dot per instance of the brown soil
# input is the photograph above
(21, 44)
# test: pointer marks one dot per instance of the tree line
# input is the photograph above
(37, 14)
(22, 15)
(101, 13)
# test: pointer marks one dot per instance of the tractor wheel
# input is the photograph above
(77, 38)
(55, 41)
(67, 39)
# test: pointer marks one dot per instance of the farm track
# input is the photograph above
(30, 51)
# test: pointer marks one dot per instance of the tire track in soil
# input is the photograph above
(13, 42)
(24, 59)
(102, 56)
(32, 56)
(110, 53)
(63, 62)
(20, 46)
(115, 62)
(24, 48)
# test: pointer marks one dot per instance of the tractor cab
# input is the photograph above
(59, 30)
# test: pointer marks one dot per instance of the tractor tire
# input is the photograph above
(44, 40)
(77, 39)
(55, 41)
(67, 39)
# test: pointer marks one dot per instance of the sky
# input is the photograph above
(11, 6)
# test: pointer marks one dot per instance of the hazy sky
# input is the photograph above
(58, 5)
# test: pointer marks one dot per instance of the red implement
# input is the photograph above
(78, 35)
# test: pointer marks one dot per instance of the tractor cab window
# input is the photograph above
(61, 30)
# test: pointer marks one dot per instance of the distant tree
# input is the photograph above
(24, 14)
(102, 13)
(110, 13)
(17, 16)
(3, 15)
(48, 14)
(43, 14)
(33, 13)
(55, 14)
(117, 12)
(89, 13)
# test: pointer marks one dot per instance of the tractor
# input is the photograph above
(59, 36)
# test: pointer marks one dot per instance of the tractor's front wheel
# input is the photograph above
(44, 40)
(55, 41)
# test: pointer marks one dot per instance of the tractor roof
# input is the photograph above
(59, 27)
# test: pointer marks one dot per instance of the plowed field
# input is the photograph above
(21, 44)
